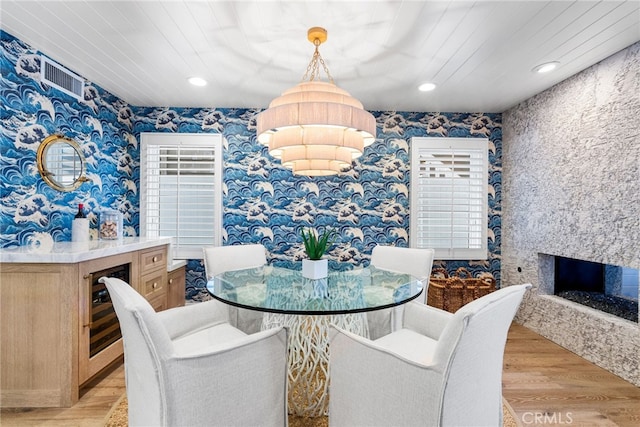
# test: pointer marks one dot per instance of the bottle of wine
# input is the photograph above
(80, 213)
(80, 226)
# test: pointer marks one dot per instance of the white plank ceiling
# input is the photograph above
(479, 53)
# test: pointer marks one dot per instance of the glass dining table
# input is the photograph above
(308, 307)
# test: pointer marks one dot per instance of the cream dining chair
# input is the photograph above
(188, 366)
(219, 259)
(413, 261)
(440, 369)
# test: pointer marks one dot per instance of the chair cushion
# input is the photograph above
(410, 345)
(218, 335)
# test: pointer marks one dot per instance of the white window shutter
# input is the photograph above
(181, 186)
(449, 179)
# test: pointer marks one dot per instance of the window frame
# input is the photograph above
(476, 145)
(197, 140)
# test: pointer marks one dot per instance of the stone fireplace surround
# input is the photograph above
(604, 339)
(571, 173)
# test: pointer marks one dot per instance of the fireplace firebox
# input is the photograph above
(578, 275)
(599, 286)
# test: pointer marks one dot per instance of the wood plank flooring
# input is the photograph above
(548, 385)
(96, 401)
(545, 385)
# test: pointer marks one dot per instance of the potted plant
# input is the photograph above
(316, 246)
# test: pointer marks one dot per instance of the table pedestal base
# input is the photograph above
(309, 357)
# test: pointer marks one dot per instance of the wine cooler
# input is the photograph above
(104, 325)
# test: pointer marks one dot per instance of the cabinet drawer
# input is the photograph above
(154, 285)
(153, 259)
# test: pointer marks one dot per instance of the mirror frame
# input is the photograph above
(47, 176)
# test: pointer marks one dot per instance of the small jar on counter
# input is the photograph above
(110, 225)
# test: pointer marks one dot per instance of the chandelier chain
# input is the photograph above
(313, 69)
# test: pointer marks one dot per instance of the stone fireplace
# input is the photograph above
(570, 177)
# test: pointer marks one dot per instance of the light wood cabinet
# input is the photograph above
(46, 323)
(176, 283)
(38, 318)
(153, 277)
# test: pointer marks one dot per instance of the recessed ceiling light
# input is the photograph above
(197, 81)
(426, 87)
(546, 67)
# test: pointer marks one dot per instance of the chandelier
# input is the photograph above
(315, 128)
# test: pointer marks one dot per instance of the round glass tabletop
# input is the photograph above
(280, 290)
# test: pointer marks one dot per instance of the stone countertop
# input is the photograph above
(175, 264)
(72, 252)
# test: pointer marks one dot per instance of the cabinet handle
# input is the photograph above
(170, 281)
(155, 285)
(86, 276)
(155, 259)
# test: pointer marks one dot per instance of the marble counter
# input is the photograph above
(73, 252)
(175, 264)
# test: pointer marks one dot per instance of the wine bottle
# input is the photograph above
(80, 213)
(80, 226)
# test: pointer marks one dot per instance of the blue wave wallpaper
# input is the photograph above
(101, 125)
(262, 202)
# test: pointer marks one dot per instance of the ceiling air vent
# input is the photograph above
(59, 77)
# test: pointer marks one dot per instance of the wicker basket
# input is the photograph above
(452, 292)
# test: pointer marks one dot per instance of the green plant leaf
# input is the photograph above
(315, 246)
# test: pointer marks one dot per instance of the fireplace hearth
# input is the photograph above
(610, 340)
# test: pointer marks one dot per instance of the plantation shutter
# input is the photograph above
(449, 196)
(181, 182)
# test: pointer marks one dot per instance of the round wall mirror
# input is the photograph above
(61, 163)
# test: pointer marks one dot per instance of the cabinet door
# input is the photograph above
(95, 312)
(176, 287)
(38, 324)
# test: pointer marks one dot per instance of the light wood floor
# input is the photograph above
(544, 384)
(96, 401)
(541, 378)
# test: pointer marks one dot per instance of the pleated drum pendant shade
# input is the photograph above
(315, 128)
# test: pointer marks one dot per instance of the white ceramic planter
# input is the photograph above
(315, 269)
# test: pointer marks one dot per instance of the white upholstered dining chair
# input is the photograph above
(219, 259)
(413, 261)
(440, 369)
(188, 366)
